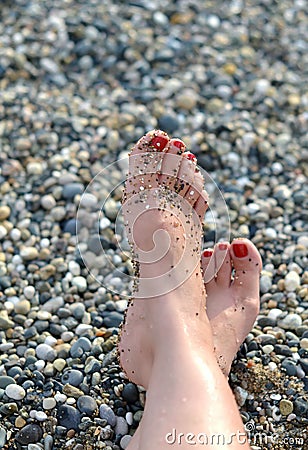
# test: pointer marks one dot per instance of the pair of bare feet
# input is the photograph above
(181, 302)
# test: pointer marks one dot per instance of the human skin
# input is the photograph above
(168, 343)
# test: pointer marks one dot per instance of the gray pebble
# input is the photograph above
(105, 412)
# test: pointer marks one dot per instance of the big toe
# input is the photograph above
(247, 265)
(145, 162)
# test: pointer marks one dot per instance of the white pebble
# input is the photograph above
(104, 223)
(262, 86)
(271, 233)
(303, 240)
(274, 313)
(290, 322)
(292, 281)
(48, 202)
(29, 292)
(15, 392)
(60, 398)
(3, 231)
(40, 364)
(34, 168)
(125, 440)
(80, 283)
(268, 349)
(50, 340)
(74, 268)
(49, 403)
(45, 243)
(15, 234)
(82, 328)
(40, 416)
(16, 260)
(45, 352)
(272, 366)
(213, 21)
(129, 418)
(291, 416)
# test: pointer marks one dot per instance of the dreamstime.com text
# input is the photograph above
(240, 437)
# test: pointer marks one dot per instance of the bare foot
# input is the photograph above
(162, 206)
(232, 302)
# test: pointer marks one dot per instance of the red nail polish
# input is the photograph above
(207, 253)
(222, 246)
(159, 142)
(240, 250)
(190, 156)
(179, 144)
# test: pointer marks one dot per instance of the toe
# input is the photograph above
(247, 263)
(208, 268)
(201, 204)
(186, 173)
(171, 162)
(223, 264)
(195, 189)
(145, 162)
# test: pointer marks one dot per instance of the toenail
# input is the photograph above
(207, 253)
(179, 144)
(240, 250)
(222, 246)
(190, 156)
(159, 142)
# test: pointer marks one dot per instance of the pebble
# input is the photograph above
(125, 440)
(292, 281)
(45, 352)
(290, 322)
(48, 202)
(87, 405)
(31, 433)
(121, 427)
(73, 377)
(286, 407)
(49, 403)
(6, 381)
(29, 253)
(105, 412)
(2, 437)
(29, 292)
(80, 283)
(5, 212)
(265, 284)
(68, 417)
(130, 393)
(240, 395)
(72, 189)
(15, 391)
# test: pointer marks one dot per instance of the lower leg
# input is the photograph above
(189, 401)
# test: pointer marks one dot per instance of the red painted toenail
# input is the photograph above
(240, 250)
(179, 144)
(207, 253)
(190, 156)
(222, 246)
(159, 142)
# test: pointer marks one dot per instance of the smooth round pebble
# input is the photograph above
(286, 407)
(125, 440)
(15, 392)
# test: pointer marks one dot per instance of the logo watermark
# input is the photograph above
(249, 436)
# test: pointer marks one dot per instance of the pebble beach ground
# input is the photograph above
(80, 82)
